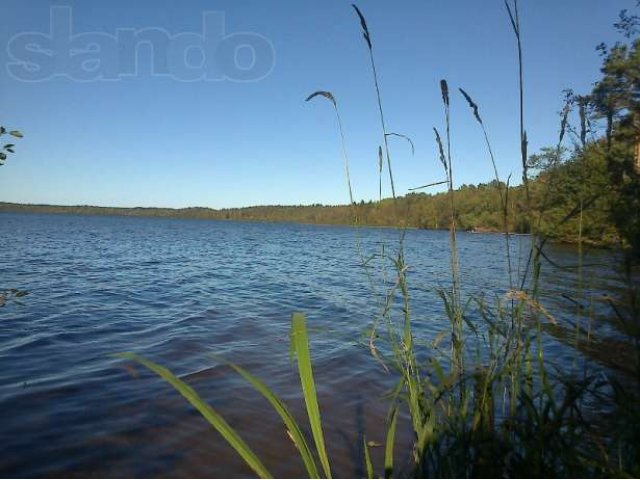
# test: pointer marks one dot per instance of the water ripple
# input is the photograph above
(177, 291)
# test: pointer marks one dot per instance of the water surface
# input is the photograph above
(176, 291)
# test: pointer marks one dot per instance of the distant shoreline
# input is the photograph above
(297, 214)
(201, 213)
(188, 213)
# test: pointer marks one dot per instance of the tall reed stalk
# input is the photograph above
(457, 346)
(367, 38)
(329, 96)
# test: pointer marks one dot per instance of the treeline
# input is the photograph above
(555, 192)
(478, 207)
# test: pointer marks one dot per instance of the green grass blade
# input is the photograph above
(216, 421)
(388, 448)
(300, 341)
(287, 418)
(367, 458)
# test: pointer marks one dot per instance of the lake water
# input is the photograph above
(176, 291)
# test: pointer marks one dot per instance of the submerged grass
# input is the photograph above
(489, 405)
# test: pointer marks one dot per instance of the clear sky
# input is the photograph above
(145, 139)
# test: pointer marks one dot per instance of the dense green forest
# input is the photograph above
(557, 192)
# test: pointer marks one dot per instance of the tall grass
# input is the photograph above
(453, 303)
(489, 405)
(367, 37)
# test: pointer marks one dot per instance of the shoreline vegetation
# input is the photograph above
(478, 209)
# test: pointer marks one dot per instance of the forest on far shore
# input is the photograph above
(572, 199)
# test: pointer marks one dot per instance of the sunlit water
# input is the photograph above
(176, 291)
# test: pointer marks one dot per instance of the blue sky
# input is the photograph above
(150, 140)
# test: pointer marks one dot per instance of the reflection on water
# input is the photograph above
(177, 290)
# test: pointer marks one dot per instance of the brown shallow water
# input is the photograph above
(176, 291)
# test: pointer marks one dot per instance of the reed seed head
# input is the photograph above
(472, 104)
(443, 159)
(444, 88)
(363, 24)
(325, 94)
